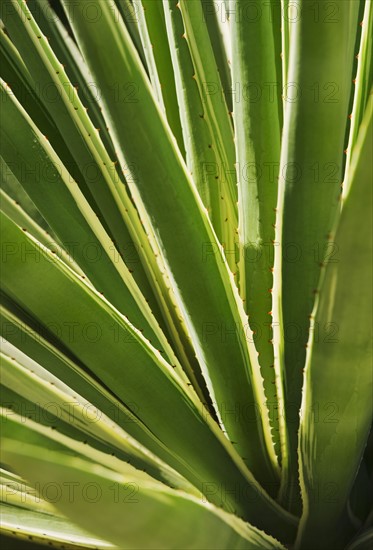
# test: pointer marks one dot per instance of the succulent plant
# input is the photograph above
(186, 274)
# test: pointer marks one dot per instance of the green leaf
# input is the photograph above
(278, 23)
(41, 345)
(257, 130)
(31, 391)
(137, 374)
(363, 85)
(218, 27)
(16, 492)
(285, 39)
(152, 28)
(206, 123)
(15, 192)
(14, 72)
(44, 529)
(61, 202)
(321, 57)
(202, 283)
(118, 452)
(129, 12)
(172, 517)
(97, 174)
(31, 93)
(336, 412)
(91, 166)
(14, 211)
(69, 55)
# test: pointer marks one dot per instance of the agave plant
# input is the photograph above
(186, 278)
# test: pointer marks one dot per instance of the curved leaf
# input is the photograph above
(138, 374)
(26, 525)
(175, 519)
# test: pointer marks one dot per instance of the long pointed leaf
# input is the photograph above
(337, 403)
(26, 525)
(185, 237)
(207, 127)
(137, 374)
(152, 28)
(70, 215)
(321, 57)
(173, 517)
(257, 127)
